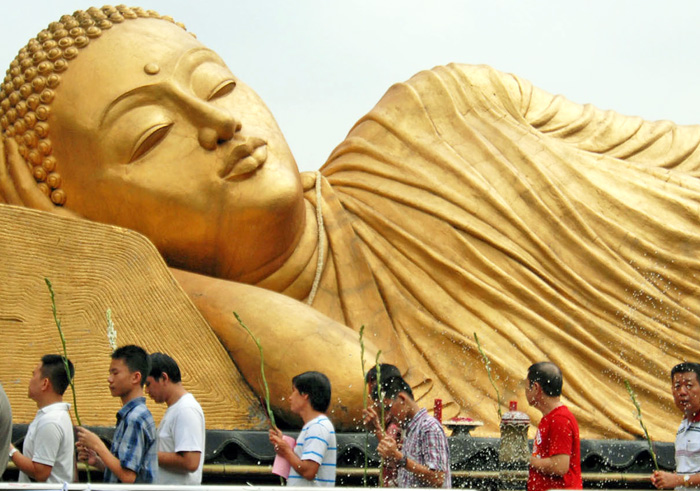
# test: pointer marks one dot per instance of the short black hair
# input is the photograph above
(686, 367)
(135, 358)
(385, 371)
(548, 375)
(162, 363)
(393, 386)
(317, 386)
(53, 368)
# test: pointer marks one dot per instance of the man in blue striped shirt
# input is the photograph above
(312, 461)
(133, 457)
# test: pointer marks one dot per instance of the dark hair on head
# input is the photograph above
(393, 386)
(386, 370)
(162, 363)
(317, 386)
(53, 368)
(686, 367)
(135, 358)
(548, 375)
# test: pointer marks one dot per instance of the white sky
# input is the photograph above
(321, 64)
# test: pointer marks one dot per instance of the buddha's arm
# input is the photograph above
(295, 338)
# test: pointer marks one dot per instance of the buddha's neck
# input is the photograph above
(295, 278)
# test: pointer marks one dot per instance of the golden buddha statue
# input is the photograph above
(466, 201)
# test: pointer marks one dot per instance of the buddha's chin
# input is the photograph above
(256, 264)
(260, 239)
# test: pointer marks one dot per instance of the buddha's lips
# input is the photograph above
(245, 157)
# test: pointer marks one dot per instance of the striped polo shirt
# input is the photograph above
(316, 442)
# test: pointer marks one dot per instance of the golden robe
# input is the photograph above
(468, 201)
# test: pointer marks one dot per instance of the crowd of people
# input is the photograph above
(414, 447)
(411, 443)
(171, 454)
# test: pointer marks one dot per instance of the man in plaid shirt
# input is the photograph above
(133, 457)
(424, 459)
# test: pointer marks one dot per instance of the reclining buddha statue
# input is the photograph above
(465, 202)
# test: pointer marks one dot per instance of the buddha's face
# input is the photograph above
(152, 132)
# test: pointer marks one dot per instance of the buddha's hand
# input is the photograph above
(17, 185)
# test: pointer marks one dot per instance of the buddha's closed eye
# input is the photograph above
(223, 89)
(149, 139)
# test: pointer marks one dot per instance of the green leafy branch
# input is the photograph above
(262, 369)
(487, 363)
(111, 331)
(364, 402)
(380, 398)
(641, 422)
(65, 361)
(65, 352)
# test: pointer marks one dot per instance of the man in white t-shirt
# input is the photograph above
(312, 462)
(48, 452)
(181, 433)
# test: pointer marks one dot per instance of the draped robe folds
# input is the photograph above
(468, 201)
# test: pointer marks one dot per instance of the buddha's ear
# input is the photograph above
(17, 185)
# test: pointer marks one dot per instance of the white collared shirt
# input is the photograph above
(688, 449)
(49, 441)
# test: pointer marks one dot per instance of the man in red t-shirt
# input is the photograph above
(556, 452)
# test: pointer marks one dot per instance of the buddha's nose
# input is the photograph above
(219, 126)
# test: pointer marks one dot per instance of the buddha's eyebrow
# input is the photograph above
(148, 93)
(196, 56)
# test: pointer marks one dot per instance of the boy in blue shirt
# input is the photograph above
(133, 457)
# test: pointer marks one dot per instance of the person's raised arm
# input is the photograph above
(370, 419)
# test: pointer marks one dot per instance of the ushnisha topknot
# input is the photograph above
(30, 82)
